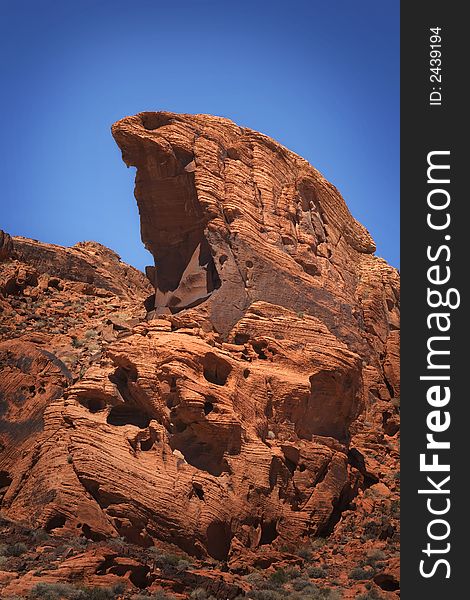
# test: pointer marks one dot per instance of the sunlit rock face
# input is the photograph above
(231, 415)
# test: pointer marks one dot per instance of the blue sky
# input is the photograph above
(321, 77)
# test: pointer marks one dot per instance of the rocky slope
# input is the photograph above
(241, 409)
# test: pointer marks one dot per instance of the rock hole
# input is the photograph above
(123, 374)
(139, 576)
(259, 348)
(246, 373)
(149, 302)
(128, 414)
(390, 389)
(104, 565)
(179, 426)
(185, 274)
(153, 120)
(356, 460)
(222, 259)
(268, 532)
(198, 491)
(249, 264)
(55, 522)
(94, 405)
(308, 195)
(204, 445)
(5, 479)
(92, 535)
(241, 338)
(291, 466)
(146, 445)
(208, 407)
(184, 156)
(387, 582)
(216, 369)
(302, 468)
(219, 538)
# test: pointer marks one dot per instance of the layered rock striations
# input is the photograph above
(254, 400)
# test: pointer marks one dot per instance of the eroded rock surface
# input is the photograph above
(252, 405)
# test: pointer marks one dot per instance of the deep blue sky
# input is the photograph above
(321, 77)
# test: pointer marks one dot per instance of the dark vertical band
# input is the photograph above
(435, 249)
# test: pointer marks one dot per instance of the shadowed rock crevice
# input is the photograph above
(216, 369)
(206, 446)
(127, 414)
(173, 224)
(219, 536)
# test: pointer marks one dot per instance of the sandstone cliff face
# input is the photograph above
(251, 405)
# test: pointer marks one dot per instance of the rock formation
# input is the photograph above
(251, 405)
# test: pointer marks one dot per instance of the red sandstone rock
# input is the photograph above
(5, 245)
(253, 406)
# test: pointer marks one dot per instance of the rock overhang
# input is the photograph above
(223, 208)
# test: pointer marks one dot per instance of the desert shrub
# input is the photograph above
(312, 592)
(359, 573)
(279, 577)
(183, 565)
(300, 584)
(255, 578)
(266, 595)
(76, 343)
(58, 591)
(374, 556)
(39, 535)
(166, 559)
(305, 552)
(198, 594)
(316, 572)
(53, 591)
(372, 594)
(162, 595)
(16, 549)
(293, 572)
(3, 561)
(101, 593)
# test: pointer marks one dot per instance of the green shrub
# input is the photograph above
(58, 591)
(198, 594)
(39, 535)
(162, 595)
(76, 343)
(316, 572)
(305, 552)
(359, 573)
(102, 593)
(266, 595)
(300, 584)
(280, 577)
(169, 559)
(53, 591)
(373, 594)
(374, 556)
(16, 549)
